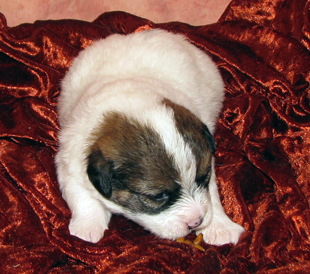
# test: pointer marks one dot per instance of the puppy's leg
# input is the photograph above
(221, 229)
(89, 216)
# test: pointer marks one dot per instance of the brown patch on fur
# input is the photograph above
(141, 168)
(197, 135)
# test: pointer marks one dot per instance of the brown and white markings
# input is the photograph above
(137, 114)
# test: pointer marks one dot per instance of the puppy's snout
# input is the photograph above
(195, 223)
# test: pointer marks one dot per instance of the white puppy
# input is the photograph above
(137, 113)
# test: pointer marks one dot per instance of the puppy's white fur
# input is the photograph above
(118, 74)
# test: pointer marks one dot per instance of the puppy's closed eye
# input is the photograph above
(161, 197)
(155, 203)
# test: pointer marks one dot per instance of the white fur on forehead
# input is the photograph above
(162, 121)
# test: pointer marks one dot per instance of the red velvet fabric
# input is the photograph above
(262, 160)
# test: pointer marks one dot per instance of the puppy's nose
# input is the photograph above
(195, 223)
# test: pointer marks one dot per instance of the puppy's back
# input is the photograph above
(148, 55)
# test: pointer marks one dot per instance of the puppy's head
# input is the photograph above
(155, 170)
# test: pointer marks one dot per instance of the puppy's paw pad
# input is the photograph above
(88, 231)
(222, 233)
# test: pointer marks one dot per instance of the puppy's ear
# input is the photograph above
(210, 139)
(99, 172)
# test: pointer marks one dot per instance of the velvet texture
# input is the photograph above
(262, 160)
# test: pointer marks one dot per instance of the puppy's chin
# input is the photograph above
(164, 225)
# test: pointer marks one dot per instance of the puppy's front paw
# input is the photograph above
(88, 230)
(222, 232)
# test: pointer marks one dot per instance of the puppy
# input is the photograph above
(137, 113)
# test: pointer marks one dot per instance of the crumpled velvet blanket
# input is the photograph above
(262, 160)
